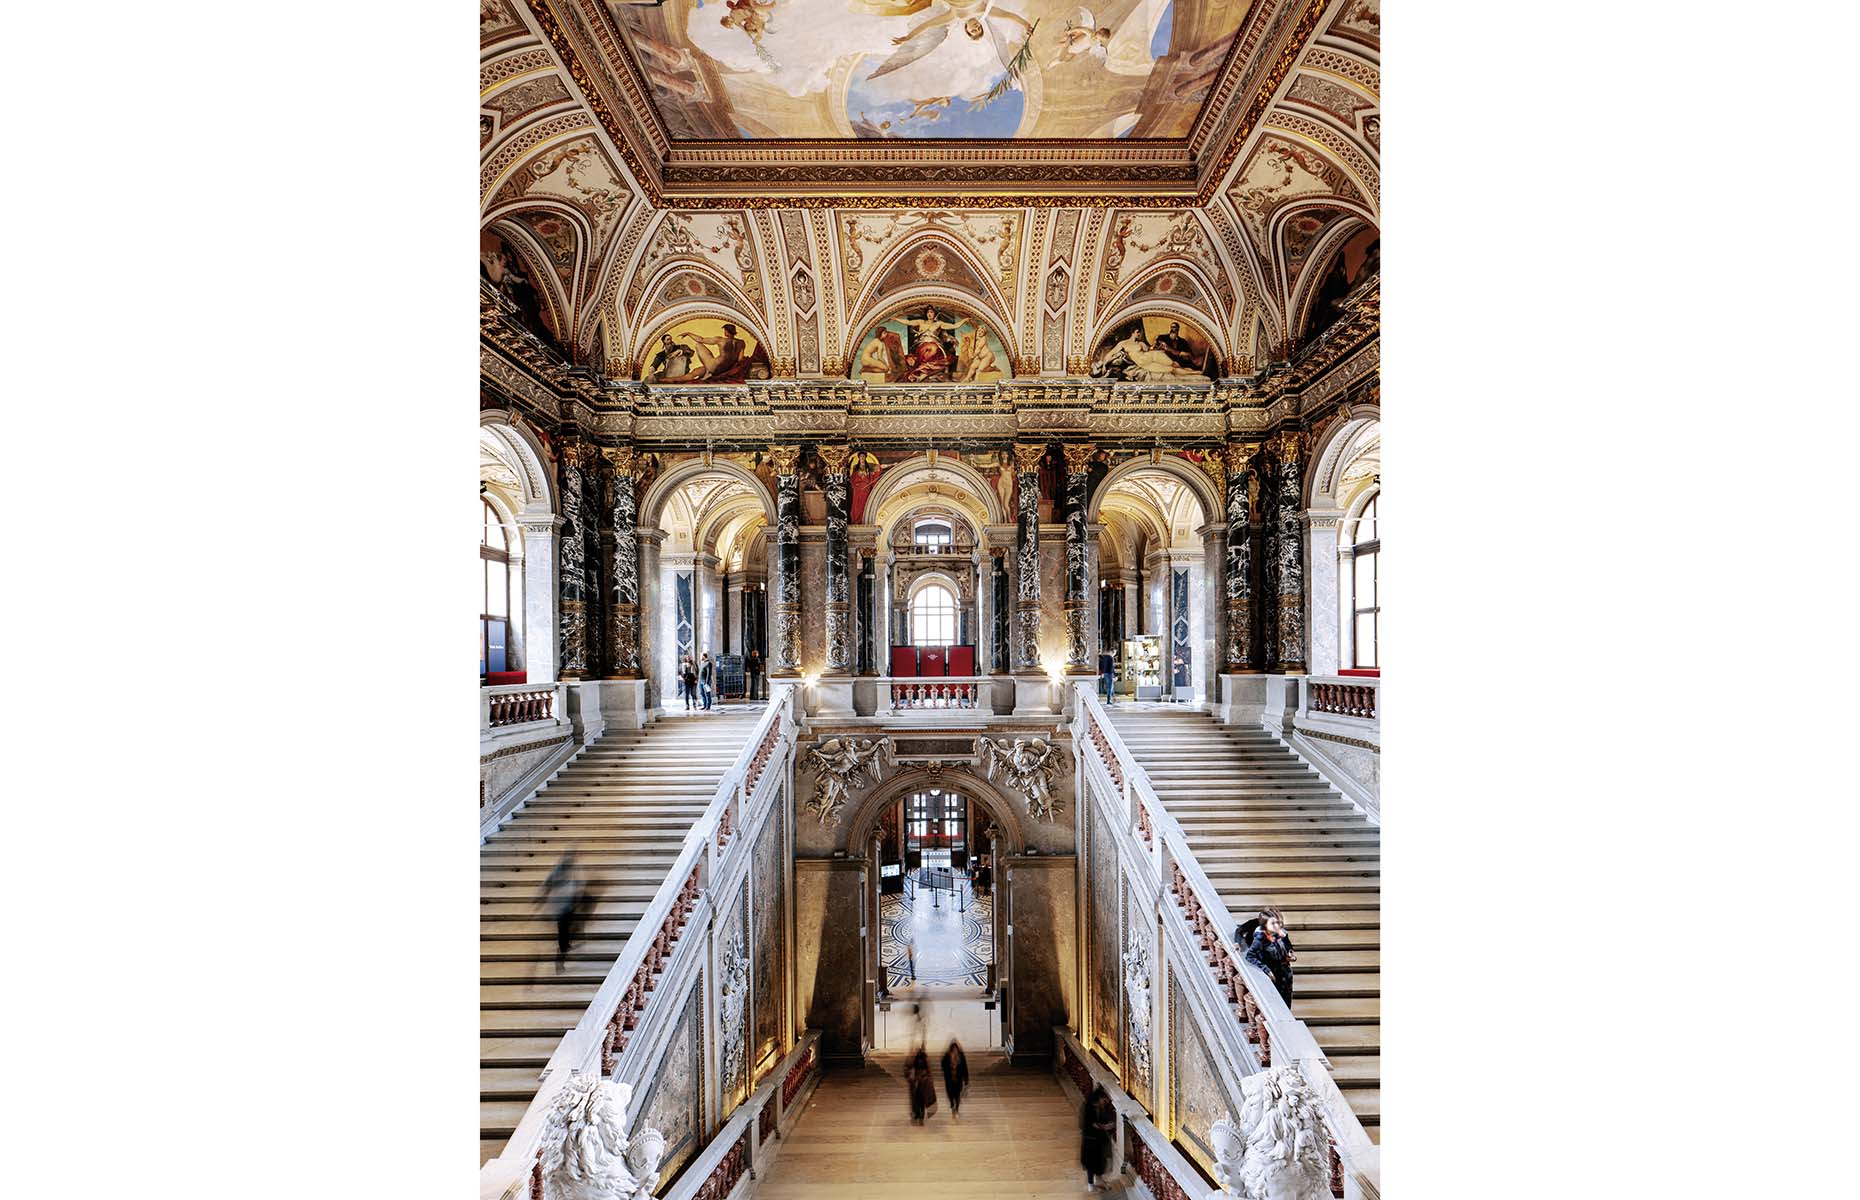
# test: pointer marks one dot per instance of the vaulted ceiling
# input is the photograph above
(1212, 160)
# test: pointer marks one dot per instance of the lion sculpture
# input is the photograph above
(1279, 1149)
(586, 1155)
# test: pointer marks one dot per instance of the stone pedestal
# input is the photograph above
(622, 702)
(1243, 700)
(1036, 694)
(584, 710)
(832, 697)
(1281, 702)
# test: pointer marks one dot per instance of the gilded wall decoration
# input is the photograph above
(1280, 172)
(674, 1103)
(705, 350)
(933, 342)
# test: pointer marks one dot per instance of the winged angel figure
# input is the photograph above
(839, 764)
(1124, 50)
(1008, 33)
(1029, 765)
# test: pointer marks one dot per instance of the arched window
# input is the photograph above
(932, 536)
(933, 616)
(1365, 601)
(494, 603)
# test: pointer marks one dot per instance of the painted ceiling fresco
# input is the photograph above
(748, 69)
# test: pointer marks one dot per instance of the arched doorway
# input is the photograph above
(1157, 523)
(937, 953)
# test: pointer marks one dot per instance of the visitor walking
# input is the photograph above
(565, 893)
(754, 667)
(707, 678)
(1268, 946)
(910, 951)
(955, 1075)
(923, 1091)
(1107, 674)
(1097, 1123)
(687, 682)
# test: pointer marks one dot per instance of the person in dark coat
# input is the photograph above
(1107, 675)
(1097, 1124)
(687, 677)
(955, 1075)
(707, 677)
(923, 1089)
(1269, 947)
(753, 667)
(566, 894)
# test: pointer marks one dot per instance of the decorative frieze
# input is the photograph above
(1289, 558)
(623, 608)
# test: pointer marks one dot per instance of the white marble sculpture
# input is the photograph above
(1137, 1005)
(1029, 766)
(1279, 1149)
(586, 1154)
(839, 764)
(732, 1000)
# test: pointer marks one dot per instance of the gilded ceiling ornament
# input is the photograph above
(1027, 458)
(1078, 456)
(784, 460)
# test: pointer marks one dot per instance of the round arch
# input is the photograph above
(518, 445)
(1000, 807)
(953, 298)
(1212, 506)
(1334, 452)
(662, 488)
(901, 477)
(990, 301)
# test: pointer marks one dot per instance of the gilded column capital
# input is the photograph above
(1289, 445)
(1239, 455)
(623, 459)
(835, 458)
(575, 452)
(1078, 456)
(785, 460)
(1027, 458)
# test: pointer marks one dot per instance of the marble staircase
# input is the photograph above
(624, 805)
(1267, 829)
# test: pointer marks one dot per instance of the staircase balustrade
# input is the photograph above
(629, 1000)
(1260, 1024)
(1352, 698)
(936, 692)
(519, 704)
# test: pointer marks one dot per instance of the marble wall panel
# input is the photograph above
(813, 605)
(1198, 1099)
(1104, 922)
(829, 971)
(1045, 920)
(767, 878)
(674, 1102)
(732, 933)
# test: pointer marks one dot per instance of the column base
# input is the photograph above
(597, 705)
(832, 696)
(1036, 695)
(1281, 706)
(1243, 699)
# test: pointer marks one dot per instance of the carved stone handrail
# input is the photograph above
(629, 997)
(1262, 1022)
(933, 692)
(1343, 697)
(511, 704)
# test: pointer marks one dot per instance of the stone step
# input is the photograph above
(1209, 844)
(574, 973)
(1271, 874)
(594, 874)
(504, 857)
(1364, 1101)
(584, 950)
(1266, 812)
(508, 1083)
(617, 813)
(555, 843)
(507, 906)
(1315, 829)
(1356, 1071)
(1296, 904)
(1332, 986)
(1311, 940)
(533, 1022)
(515, 931)
(497, 1120)
(1348, 1041)
(1280, 854)
(536, 996)
(516, 1051)
(1325, 1010)
(1313, 960)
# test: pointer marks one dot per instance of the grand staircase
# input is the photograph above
(1267, 829)
(624, 804)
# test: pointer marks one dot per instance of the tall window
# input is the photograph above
(1366, 602)
(494, 604)
(933, 536)
(933, 616)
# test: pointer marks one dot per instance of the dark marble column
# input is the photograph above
(999, 608)
(623, 609)
(573, 656)
(1289, 558)
(785, 654)
(1237, 573)
(867, 581)
(1027, 557)
(1078, 567)
(838, 489)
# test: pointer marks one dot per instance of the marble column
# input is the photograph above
(539, 592)
(1209, 650)
(651, 603)
(574, 657)
(1027, 558)
(1237, 573)
(623, 611)
(1000, 610)
(1324, 601)
(1288, 647)
(868, 650)
(1078, 567)
(838, 491)
(785, 654)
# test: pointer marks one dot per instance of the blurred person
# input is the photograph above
(1097, 1124)
(1268, 946)
(565, 893)
(955, 1075)
(923, 1090)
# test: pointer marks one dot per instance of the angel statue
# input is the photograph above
(839, 764)
(1279, 1149)
(586, 1154)
(1029, 765)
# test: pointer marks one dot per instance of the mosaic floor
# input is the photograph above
(954, 943)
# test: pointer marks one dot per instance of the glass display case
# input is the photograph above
(1143, 667)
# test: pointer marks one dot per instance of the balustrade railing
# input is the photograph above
(932, 692)
(629, 997)
(1262, 1021)
(520, 704)
(1343, 699)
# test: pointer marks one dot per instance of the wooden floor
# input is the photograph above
(1017, 1136)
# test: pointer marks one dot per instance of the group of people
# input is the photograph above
(923, 1088)
(697, 682)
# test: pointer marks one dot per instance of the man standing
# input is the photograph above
(707, 676)
(753, 666)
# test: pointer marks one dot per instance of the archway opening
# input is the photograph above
(1156, 515)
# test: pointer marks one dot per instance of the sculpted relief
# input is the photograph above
(1028, 766)
(840, 765)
